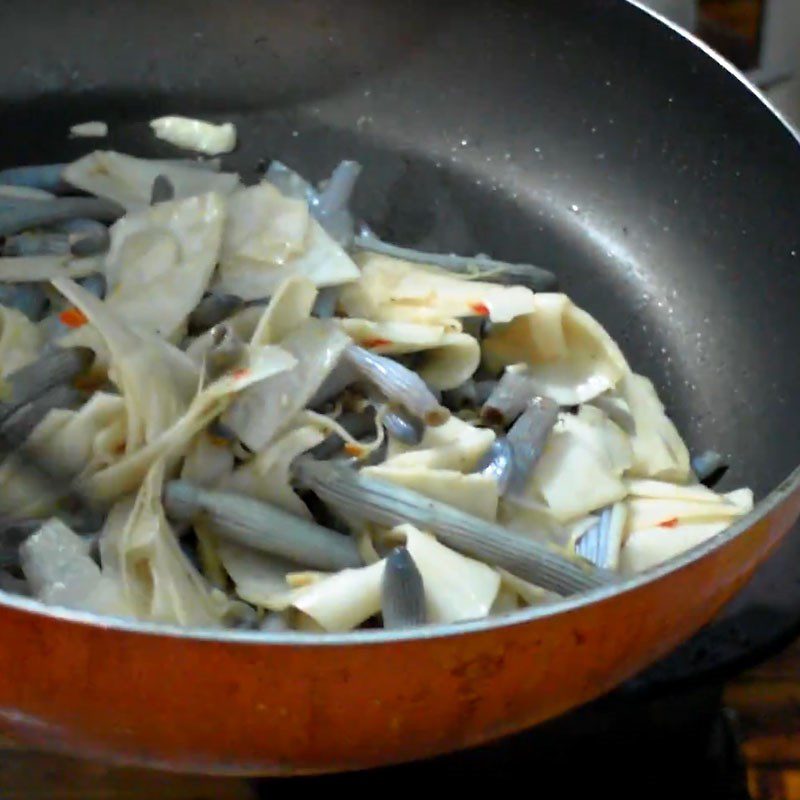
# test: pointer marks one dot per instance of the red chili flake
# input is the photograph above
(88, 383)
(481, 309)
(73, 317)
(669, 523)
(353, 449)
(373, 343)
(120, 448)
(238, 374)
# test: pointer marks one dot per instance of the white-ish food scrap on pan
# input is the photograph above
(196, 134)
(95, 129)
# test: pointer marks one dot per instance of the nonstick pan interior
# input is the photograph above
(581, 136)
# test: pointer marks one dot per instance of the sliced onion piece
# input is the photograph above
(128, 181)
(20, 342)
(391, 290)
(569, 356)
(260, 578)
(616, 408)
(270, 237)
(139, 548)
(536, 278)
(342, 601)
(456, 445)
(649, 547)
(266, 476)
(529, 593)
(267, 408)
(123, 475)
(286, 311)
(658, 450)
(472, 494)
(161, 261)
(156, 379)
(594, 453)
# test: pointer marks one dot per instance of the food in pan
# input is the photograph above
(230, 405)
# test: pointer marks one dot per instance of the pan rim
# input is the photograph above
(762, 509)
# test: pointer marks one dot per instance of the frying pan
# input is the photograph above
(586, 136)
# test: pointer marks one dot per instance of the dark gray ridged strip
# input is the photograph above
(402, 592)
(262, 526)
(27, 383)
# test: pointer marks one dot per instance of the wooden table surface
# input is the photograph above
(766, 702)
(765, 705)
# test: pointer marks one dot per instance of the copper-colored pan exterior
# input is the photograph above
(243, 705)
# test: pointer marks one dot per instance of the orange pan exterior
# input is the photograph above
(244, 703)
